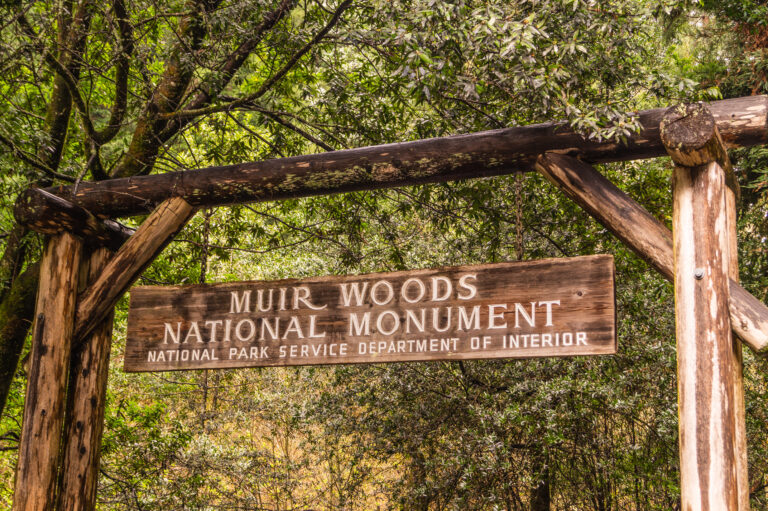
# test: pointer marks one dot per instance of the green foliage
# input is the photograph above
(600, 433)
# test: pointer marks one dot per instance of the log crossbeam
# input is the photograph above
(741, 122)
(43, 212)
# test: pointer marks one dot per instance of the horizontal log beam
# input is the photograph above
(741, 121)
(648, 237)
(46, 213)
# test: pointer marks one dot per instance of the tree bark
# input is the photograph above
(742, 121)
(648, 237)
(540, 493)
(86, 399)
(15, 309)
(45, 399)
(146, 141)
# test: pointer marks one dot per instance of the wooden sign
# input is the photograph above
(552, 307)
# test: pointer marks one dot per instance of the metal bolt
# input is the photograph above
(699, 273)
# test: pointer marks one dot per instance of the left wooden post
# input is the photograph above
(45, 400)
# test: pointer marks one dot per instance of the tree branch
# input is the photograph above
(166, 97)
(271, 115)
(238, 57)
(194, 112)
(121, 76)
(255, 134)
(66, 75)
(32, 162)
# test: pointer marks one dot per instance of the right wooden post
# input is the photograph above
(711, 422)
(89, 368)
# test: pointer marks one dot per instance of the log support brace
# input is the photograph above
(64, 407)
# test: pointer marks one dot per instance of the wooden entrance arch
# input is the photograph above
(90, 261)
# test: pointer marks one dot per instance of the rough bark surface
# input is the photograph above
(45, 399)
(742, 122)
(18, 305)
(648, 237)
(86, 398)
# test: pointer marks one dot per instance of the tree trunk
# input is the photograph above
(16, 312)
(540, 493)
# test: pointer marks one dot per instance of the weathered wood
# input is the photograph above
(45, 398)
(613, 208)
(705, 358)
(88, 372)
(692, 140)
(740, 415)
(742, 122)
(46, 213)
(691, 136)
(553, 307)
(125, 267)
(648, 237)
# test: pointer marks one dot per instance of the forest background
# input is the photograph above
(97, 90)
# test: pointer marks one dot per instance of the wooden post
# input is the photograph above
(45, 398)
(648, 237)
(125, 267)
(88, 373)
(707, 365)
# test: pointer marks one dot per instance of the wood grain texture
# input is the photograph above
(89, 368)
(44, 404)
(139, 251)
(553, 307)
(692, 139)
(624, 217)
(740, 414)
(705, 357)
(648, 237)
(690, 134)
(46, 213)
(742, 122)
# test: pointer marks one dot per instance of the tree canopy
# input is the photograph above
(96, 91)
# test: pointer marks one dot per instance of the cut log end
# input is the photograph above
(46, 213)
(692, 139)
(690, 135)
(687, 127)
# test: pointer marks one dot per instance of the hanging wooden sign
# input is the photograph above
(551, 307)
